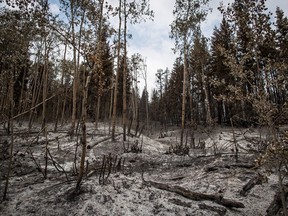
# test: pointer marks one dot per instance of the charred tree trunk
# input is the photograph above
(97, 111)
(197, 196)
(125, 75)
(258, 179)
(117, 75)
(206, 100)
(184, 92)
(45, 87)
(83, 138)
(62, 90)
(76, 61)
(276, 203)
(75, 81)
(35, 92)
(11, 123)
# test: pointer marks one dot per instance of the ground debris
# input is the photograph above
(256, 180)
(220, 210)
(276, 203)
(201, 184)
(180, 202)
(197, 196)
(229, 166)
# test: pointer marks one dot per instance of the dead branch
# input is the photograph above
(197, 196)
(100, 141)
(220, 210)
(276, 203)
(141, 131)
(27, 111)
(135, 147)
(243, 165)
(180, 203)
(256, 180)
(33, 140)
(229, 166)
(56, 165)
(34, 160)
(110, 164)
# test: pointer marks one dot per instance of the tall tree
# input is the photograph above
(281, 46)
(153, 106)
(221, 75)
(136, 67)
(188, 15)
(257, 68)
(144, 74)
(248, 56)
(16, 39)
(83, 127)
(173, 93)
(117, 71)
(76, 13)
(200, 69)
(98, 66)
(162, 82)
(124, 116)
(14, 65)
(134, 11)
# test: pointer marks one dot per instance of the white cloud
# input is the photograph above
(160, 57)
(213, 18)
(272, 4)
(151, 39)
(54, 8)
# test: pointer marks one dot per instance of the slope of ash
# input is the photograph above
(121, 177)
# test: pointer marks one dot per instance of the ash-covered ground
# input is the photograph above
(122, 185)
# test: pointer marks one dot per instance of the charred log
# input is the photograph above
(197, 196)
(256, 180)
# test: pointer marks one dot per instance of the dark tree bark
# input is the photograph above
(117, 75)
(12, 141)
(258, 179)
(197, 196)
(276, 203)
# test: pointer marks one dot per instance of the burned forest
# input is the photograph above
(82, 132)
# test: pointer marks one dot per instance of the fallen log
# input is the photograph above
(229, 166)
(177, 178)
(211, 168)
(196, 195)
(220, 210)
(100, 141)
(256, 180)
(276, 203)
(243, 165)
(180, 203)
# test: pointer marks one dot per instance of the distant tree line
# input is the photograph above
(239, 73)
(45, 60)
(71, 67)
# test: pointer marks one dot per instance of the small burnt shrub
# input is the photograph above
(179, 149)
(135, 147)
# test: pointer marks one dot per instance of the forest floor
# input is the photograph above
(136, 183)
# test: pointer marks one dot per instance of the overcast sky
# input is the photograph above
(151, 39)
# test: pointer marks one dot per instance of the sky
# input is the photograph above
(151, 39)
